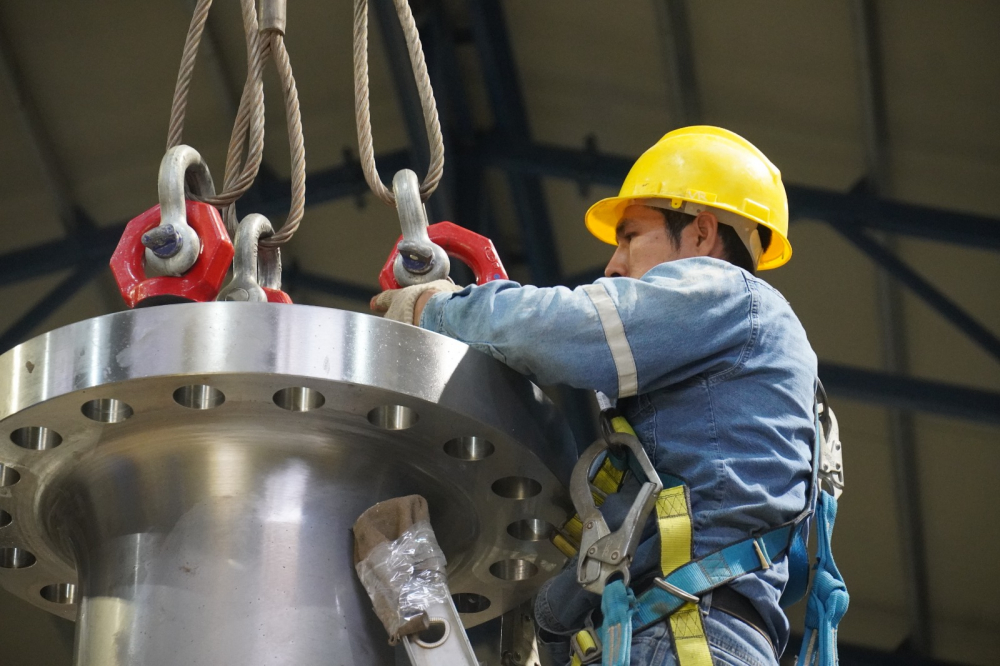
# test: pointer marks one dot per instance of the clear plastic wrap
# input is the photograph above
(405, 577)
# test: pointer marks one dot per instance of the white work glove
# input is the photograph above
(398, 304)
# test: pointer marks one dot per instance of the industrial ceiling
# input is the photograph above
(880, 114)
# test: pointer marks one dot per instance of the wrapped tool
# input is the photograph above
(400, 564)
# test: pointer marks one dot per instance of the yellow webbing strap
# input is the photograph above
(673, 513)
(673, 516)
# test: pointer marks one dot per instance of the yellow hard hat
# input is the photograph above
(712, 168)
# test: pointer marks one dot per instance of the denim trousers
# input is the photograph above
(730, 641)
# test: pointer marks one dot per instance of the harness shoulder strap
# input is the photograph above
(673, 517)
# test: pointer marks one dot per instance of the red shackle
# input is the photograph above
(476, 251)
(200, 283)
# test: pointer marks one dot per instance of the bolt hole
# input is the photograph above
(15, 558)
(469, 448)
(434, 635)
(8, 475)
(516, 487)
(470, 602)
(5, 518)
(35, 438)
(199, 396)
(393, 417)
(106, 410)
(299, 399)
(513, 570)
(530, 529)
(59, 593)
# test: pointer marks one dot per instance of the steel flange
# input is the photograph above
(182, 479)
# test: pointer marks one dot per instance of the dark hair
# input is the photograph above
(735, 251)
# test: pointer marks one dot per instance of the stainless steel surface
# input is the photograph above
(188, 476)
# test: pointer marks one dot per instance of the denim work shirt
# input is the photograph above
(713, 371)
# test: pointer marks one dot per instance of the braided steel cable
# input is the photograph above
(296, 141)
(240, 173)
(362, 105)
(178, 108)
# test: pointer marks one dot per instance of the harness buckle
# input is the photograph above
(585, 646)
(603, 553)
(674, 590)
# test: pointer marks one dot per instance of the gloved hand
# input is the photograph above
(398, 304)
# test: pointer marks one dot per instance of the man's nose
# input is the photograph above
(617, 266)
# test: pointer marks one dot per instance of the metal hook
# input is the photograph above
(173, 246)
(420, 260)
(254, 266)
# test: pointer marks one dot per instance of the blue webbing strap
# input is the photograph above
(829, 599)
(798, 553)
(618, 607)
(798, 567)
(699, 576)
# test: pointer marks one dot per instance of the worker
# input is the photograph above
(706, 361)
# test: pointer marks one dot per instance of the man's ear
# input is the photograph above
(707, 229)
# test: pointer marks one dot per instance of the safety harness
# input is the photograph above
(674, 596)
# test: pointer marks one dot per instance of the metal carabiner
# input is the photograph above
(604, 553)
(173, 246)
(420, 260)
(254, 266)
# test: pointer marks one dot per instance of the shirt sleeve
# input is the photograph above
(619, 336)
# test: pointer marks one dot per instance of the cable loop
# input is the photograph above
(240, 173)
(362, 106)
(264, 41)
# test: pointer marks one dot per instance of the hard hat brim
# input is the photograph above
(603, 217)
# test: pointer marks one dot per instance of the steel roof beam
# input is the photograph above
(675, 40)
(902, 429)
(490, 35)
(847, 210)
(268, 198)
(850, 209)
(471, 201)
(49, 303)
(510, 116)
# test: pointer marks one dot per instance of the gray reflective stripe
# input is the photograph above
(614, 331)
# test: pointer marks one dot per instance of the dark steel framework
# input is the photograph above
(864, 216)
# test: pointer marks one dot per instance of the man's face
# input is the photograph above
(643, 242)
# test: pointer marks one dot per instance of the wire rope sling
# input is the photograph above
(181, 249)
